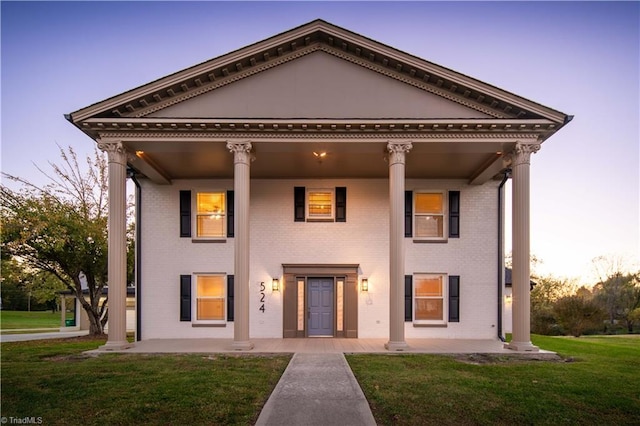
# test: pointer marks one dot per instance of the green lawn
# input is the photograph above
(597, 382)
(52, 380)
(11, 320)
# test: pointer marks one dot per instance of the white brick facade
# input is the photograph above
(276, 239)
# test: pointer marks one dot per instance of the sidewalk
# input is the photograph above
(5, 338)
(317, 389)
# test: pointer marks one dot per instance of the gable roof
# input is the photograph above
(178, 125)
(314, 36)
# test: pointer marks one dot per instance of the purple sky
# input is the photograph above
(580, 58)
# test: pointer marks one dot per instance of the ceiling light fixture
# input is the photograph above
(320, 154)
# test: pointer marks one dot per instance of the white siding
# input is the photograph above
(277, 239)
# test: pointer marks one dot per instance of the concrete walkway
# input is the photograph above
(317, 389)
(6, 338)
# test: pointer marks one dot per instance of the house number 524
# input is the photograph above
(262, 289)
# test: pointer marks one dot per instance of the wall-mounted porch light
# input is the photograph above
(275, 285)
(364, 285)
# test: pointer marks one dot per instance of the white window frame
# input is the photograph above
(445, 298)
(194, 210)
(445, 216)
(194, 299)
(319, 218)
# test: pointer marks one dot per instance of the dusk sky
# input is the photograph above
(581, 58)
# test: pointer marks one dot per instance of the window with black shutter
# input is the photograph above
(299, 203)
(454, 298)
(185, 297)
(230, 291)
(408, 214)
(185, 214)
(454, 214)
(341, 204)
(230, 213)
(408, 298)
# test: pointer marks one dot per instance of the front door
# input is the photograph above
(320, 306)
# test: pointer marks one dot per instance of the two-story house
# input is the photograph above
(319, 183)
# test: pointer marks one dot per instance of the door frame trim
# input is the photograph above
(295, 272)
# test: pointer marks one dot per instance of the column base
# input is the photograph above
(116, 346)
(396, 346)
(242, 345)
(521, 347)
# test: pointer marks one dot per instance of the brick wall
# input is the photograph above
(277, 239)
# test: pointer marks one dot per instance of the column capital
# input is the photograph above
(116, 152)
(397, 151)
(241, 151)
(521, 153)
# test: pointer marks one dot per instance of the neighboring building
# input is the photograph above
(318, 183)
(69, 304)
(508, 299)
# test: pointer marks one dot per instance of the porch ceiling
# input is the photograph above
(295, 159)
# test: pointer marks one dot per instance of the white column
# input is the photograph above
(521, 273)
(397, 153)
(241, 183)
(117, 258)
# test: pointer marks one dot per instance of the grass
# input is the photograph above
(11, 320)
(53, 380)
(596, 382)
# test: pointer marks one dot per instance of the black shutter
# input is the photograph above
(341, 204)
(185, 297)
(454, 214)
(408, 298)
(230, 211)
(185, 214)
(454, 298)
(230, 281)
(298, 204)
(408, 213)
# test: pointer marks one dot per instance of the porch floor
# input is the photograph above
(323, 345)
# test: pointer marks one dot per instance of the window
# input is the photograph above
(320, 204)
(210, 297)
(429, 299)
(210, 215)
(429, 215)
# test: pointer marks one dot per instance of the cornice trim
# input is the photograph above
(334, 137)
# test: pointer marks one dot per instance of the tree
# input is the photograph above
(578, 313)
(547, 291)
(61, 228)
(14, 296)
(617, 292)
(619, 296)
(45, 288)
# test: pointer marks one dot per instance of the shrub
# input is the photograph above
(543, 321)
(578, 314)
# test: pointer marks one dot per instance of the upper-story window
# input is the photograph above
(210, 214)
(429, 215)
(320, 204)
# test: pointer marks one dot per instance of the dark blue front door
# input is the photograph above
(320, 306)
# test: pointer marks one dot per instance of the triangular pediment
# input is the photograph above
(318, 85)
(346, 74)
